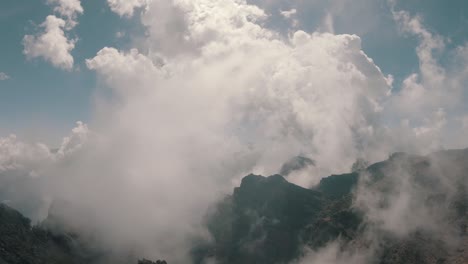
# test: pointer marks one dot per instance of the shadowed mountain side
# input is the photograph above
(22, 243)
(264, 221)
(269, 220)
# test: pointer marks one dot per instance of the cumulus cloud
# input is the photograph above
(20, 166)
(123, 68)
(75, 140)
(414, 187)
(213, 95)
(15, 154)
(53, 43)
(233, 98)
(25, 167)
(126, 7)
(4, 76)
(69, 9)
(229, 98)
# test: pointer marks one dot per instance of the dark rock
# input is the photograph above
(145, 261)
(269, 220)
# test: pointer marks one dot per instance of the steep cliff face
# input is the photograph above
(263, 220)
(269, 220)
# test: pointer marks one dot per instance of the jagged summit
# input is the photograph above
(258, 181)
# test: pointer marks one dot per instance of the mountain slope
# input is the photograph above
(23, 244)
(269, 220)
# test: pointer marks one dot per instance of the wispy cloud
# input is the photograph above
(4, 76)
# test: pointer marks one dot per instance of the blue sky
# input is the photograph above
(39, 96)
(40, 101)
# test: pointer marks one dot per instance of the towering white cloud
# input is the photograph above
(218, 96)
(213, 95)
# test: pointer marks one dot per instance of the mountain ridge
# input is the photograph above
(270, 220)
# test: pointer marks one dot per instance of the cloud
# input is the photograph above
(123, 68)
(414, 187)
(4, 76)
(25, 170)
(184, 118)
(15, 154)
(334, 253)
(120, 34)
(353, 17)
(69, 9)
(75, 140)
(21, 164)
(434, 88)
(432, 73)
(327, 24)
(53, 43)
(126, 7)
(216, 97)
(212, 95)
(289, 13)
